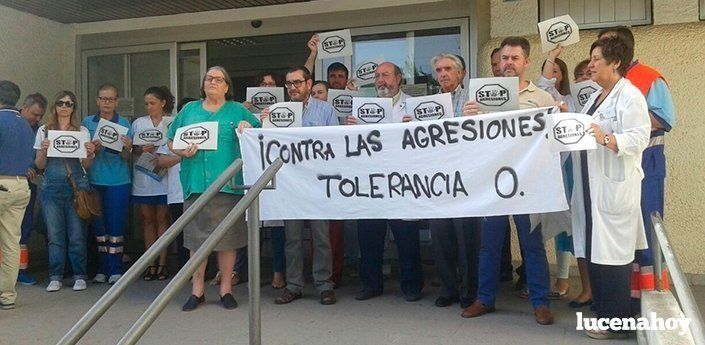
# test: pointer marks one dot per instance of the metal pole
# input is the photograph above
(658, 258)
(253, 284)
(150, 315)
(685, 295)
(106, 301)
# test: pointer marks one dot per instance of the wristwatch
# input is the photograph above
(606, 140)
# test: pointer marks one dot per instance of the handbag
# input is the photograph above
(86, 202)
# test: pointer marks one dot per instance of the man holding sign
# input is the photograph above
(372, 232)
(316, 113)
(514, 60)
(110, 176)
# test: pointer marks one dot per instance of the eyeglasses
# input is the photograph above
(217, 80)
(107, 99)
(295, 83)
(62, 104)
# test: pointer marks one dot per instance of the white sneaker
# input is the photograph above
(79, 285)
(114, 278)
(54, 286)
(100, 278)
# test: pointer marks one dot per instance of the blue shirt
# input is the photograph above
(108, 168)
(660, 104)
(319, 113)
(16, 143)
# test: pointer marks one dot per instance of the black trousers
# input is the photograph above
(456, 247)
(611, 290)
(176, 210)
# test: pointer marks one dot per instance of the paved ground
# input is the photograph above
(42, 318)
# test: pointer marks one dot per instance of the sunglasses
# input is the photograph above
(67, 104)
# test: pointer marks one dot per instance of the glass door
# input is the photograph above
(192, 67)
(132, 70)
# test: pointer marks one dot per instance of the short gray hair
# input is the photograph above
(457, 63)
(35, 98)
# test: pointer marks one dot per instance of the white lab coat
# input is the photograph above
(614, 179)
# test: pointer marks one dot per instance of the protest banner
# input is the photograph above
(202, 134)
(560, 30)
(495, 94)
(67, 144)
(492, 164)
(108, 133)
(284, 115)
(263, 97)
(334, 44)
(371, 110)
(582, 91)
(431, 107)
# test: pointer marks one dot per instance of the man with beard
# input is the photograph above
(372, 232)
(514, 61)
(315, 113)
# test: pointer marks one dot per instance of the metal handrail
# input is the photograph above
(251, 201)
(680, 283)
(108, 299)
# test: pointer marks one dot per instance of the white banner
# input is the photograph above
(492, 164)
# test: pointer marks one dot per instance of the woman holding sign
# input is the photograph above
(201, 167)
(149, 187)
(606, 217)
(66, 232)
(110, 176)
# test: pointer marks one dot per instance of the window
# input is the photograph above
(589, 14)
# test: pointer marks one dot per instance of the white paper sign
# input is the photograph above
(109, 134)
(67, 144)
(203, 134)
(567, 132)
(153, 136)
(263, 97)
(560, 30)
(334, 44)
(485, 165)
(432, 107)
(372, 110)
(341, 101)
(365, 71)
(284, 115)
(495, 94)
(582, 91)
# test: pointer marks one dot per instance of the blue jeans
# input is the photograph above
(536, 265)
(278, 256)
(65, 231)
(371, 234)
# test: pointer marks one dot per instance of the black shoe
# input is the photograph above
(444, 301)
(366, 294)
(328, 297)
(412, 296)
(577, 304)
(193, 302)
(228, 301)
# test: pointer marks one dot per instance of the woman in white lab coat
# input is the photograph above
(606, 217)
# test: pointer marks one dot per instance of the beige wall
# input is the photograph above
(676, 51)
(37, 54)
